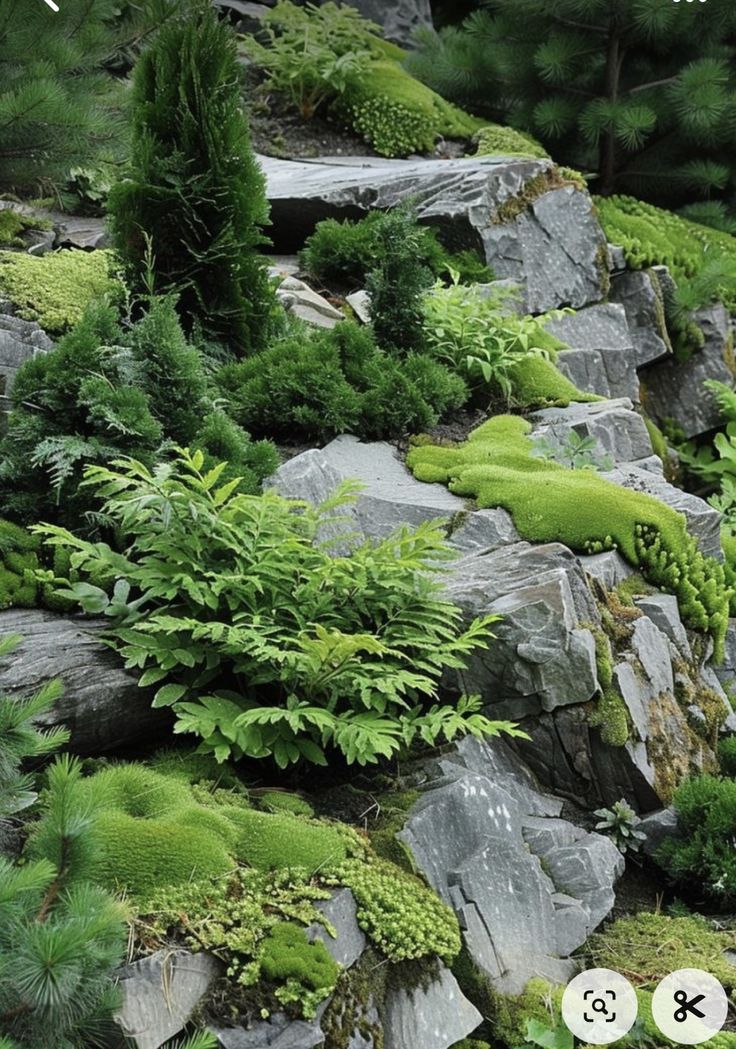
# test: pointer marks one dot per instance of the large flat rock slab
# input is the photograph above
(102, 706)
(547, 238)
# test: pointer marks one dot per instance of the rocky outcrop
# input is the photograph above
(532, 229)
(20, 341)
(527, 885)
(399, 18)
(435, 1017)
(640, 294)
(600, 358)
(102, 707)
(674, 389)
(300, 301)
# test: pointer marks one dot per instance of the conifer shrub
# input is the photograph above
(55, 289)
(61, 936)
(397, 284)
(321, 383)
(189, 217)
(727, 756)
(110, 388)
(344, 252)
(583, 510)
(701, 855)
(264, 644)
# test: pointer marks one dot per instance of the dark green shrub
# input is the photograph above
(344, 253)
(269, 646)
(190, 215)
(108, 390)
(727, 756)
(397, 284)
(322, 383)
(701, 856)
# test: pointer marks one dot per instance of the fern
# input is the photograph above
(263, 643)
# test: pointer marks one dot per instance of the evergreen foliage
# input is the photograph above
(397, 284)
(638, 91)
(58, 106)
(549, 503)
(108, 389)
(318, 384)
(189, 217)
(61, 937)
(268, 646)
(343, 253)
(701, 856)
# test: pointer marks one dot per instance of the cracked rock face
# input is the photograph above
(600, 358)
(400, 19)
(553, 247)
(528, 887)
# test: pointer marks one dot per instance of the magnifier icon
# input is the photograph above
(599, 1006)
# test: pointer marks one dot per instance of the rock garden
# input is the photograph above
(367, 518)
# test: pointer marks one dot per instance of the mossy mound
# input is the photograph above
(537, 383)
(652, 236)
(496, 140)
(25, 575)
(399, 115)
(550, 503)
(55, 289)
(647, 947)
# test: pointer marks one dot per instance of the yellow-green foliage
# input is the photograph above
(649, 946)
(284, 801)
(652, 236)
(399, 115)
(20, 563)
(303, 970)
(156, 830)
(496, 140)
(55, 289)
(583, 510)
(13, 225)
(401, 916)
(537, 383)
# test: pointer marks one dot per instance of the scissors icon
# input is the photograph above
(687, 1006)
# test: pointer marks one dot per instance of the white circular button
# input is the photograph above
(689, 1006)
(599, 1006)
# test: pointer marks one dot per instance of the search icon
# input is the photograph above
(599, 1006)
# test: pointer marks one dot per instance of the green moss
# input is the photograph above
(496, 140)
(288, 956)
(647, 947)
(13, 225)
(362, 986)
(283, 801)
(611, 715)
(391, 819)
(584, 511)
(280, 840)
(400, 914)
(537, 383)
(55, 289)
(399, 115)
(534, 188)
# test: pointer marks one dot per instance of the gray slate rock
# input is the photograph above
(609, 568)
(278, 1032)
(159, 994)
(20, 341)
(552, 249)
(486, 839)
(675, 391)
(102, 706)
(663, 611)
(640, 294)
(342, 913)
(657, 827)
(543, 656)
(618, 430)
(601, 355)
(300, 300)
(400, 18)
(434, 1018)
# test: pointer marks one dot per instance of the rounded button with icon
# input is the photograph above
(689, 1006)
(599, 1006)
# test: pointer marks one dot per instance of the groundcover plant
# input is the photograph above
(367, 529)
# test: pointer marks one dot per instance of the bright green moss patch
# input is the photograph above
(651, 236)
(25, 576)
(583, 510)
(13, 225)
(647, 947)
(288, 958)
(55, 289)
(399, 115)
(537, 383)
(496, 140)
(284, 801)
